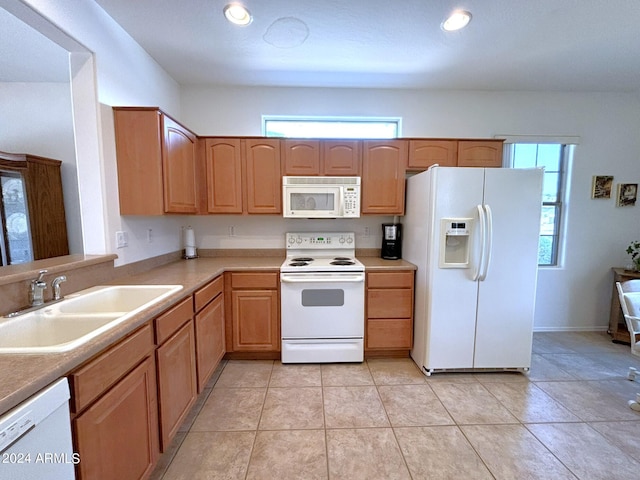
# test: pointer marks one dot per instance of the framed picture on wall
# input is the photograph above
(627, 193)
(601, 186)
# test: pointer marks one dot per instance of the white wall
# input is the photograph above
(36, 119)
(573, 296)
(125, 75)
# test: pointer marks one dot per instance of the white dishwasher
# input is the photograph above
(35, 437)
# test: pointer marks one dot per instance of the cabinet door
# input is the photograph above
(139, 158)
(301, 157)
(424, 153)
(179, 168)
(117, 437)
(480, 153)
(210, 340)
(341, 157)
(263, 178)
(176, 363)
(255, 321)
(383, 169)
(223, 160)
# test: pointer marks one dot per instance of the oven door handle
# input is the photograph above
(355, 278)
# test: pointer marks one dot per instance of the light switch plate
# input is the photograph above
(122, 239)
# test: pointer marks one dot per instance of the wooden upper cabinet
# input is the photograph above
(156, 160)
(179, 168)
(383, 176)
(424, 153)
(480, 153)
(301, 157)
(262, 175)
(341, 157)
(223, 160)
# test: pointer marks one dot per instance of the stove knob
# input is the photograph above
(292, 240)
(299, 240)
(341, 239)
(349, 240)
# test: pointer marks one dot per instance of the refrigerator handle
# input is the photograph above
(483, 239)
(488, 242)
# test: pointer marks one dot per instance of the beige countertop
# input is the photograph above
(24, 375)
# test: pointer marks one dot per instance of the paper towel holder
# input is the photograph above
(189, 244)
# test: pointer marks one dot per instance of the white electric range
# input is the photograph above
(322, 299)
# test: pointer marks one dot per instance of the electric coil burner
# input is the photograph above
(322, 299)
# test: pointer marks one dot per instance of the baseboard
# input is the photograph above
(571, 329)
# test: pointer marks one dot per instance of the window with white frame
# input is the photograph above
(555, 158)
(330, 127)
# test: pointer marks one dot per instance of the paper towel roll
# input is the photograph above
(189, 242)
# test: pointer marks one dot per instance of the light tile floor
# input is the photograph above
(383, 419)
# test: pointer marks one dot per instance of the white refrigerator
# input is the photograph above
(473, 234)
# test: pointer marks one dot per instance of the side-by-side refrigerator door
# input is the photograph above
(506, 296)
(452, 289)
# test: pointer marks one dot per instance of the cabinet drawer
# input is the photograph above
(170, 321)
(390, 279)
(389, 333)
(99, 374)
(208, 293)
(254, 280)
(392, 303)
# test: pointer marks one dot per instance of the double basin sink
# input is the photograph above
(73, 321)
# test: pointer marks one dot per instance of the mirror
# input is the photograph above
(36, 107)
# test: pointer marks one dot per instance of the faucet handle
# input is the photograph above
(41, 274)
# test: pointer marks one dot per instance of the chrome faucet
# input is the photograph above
(55, 285)
(36, 292)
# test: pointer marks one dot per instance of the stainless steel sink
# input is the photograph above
(78, 318)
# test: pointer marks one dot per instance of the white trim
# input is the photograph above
(563, 139)
(570, 329)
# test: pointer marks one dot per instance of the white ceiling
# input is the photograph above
(547, 45)
(557, 45)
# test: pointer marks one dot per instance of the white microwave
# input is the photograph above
(321, 197)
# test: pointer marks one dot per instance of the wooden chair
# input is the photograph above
(629, 293)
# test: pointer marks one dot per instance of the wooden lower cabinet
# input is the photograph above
(117, 437)
(210, 330)
(389, 311)
(177, 384)
(253, 312)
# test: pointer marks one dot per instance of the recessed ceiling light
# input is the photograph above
(237, 14)
(457, 20)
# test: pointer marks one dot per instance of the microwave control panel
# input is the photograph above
(351, 202)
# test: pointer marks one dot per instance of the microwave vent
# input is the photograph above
(321, 180)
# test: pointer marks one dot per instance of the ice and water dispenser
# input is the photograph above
(455, 242)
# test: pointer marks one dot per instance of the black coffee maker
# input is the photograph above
(391, 241)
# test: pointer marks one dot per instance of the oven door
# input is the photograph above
(322, 317)
(322, 305)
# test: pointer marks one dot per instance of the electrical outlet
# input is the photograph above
(149, 235)
(366, 231)
(232, 230)
(122, 239)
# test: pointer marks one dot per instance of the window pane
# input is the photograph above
(546, 250)
(331, 128)
(550, 187)
(524, 155)
(548, 220)
(549, 156)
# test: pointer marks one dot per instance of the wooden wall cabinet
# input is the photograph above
(210, 329)
(176, 367)
(42, 203)
(383, 177)
(321, 157)
(480, 153)
(253, 312)
(425, 153)
(116, 422)
(157, 163)
(389, 311)
(243, 175)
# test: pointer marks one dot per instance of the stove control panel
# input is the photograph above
(320, 240)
